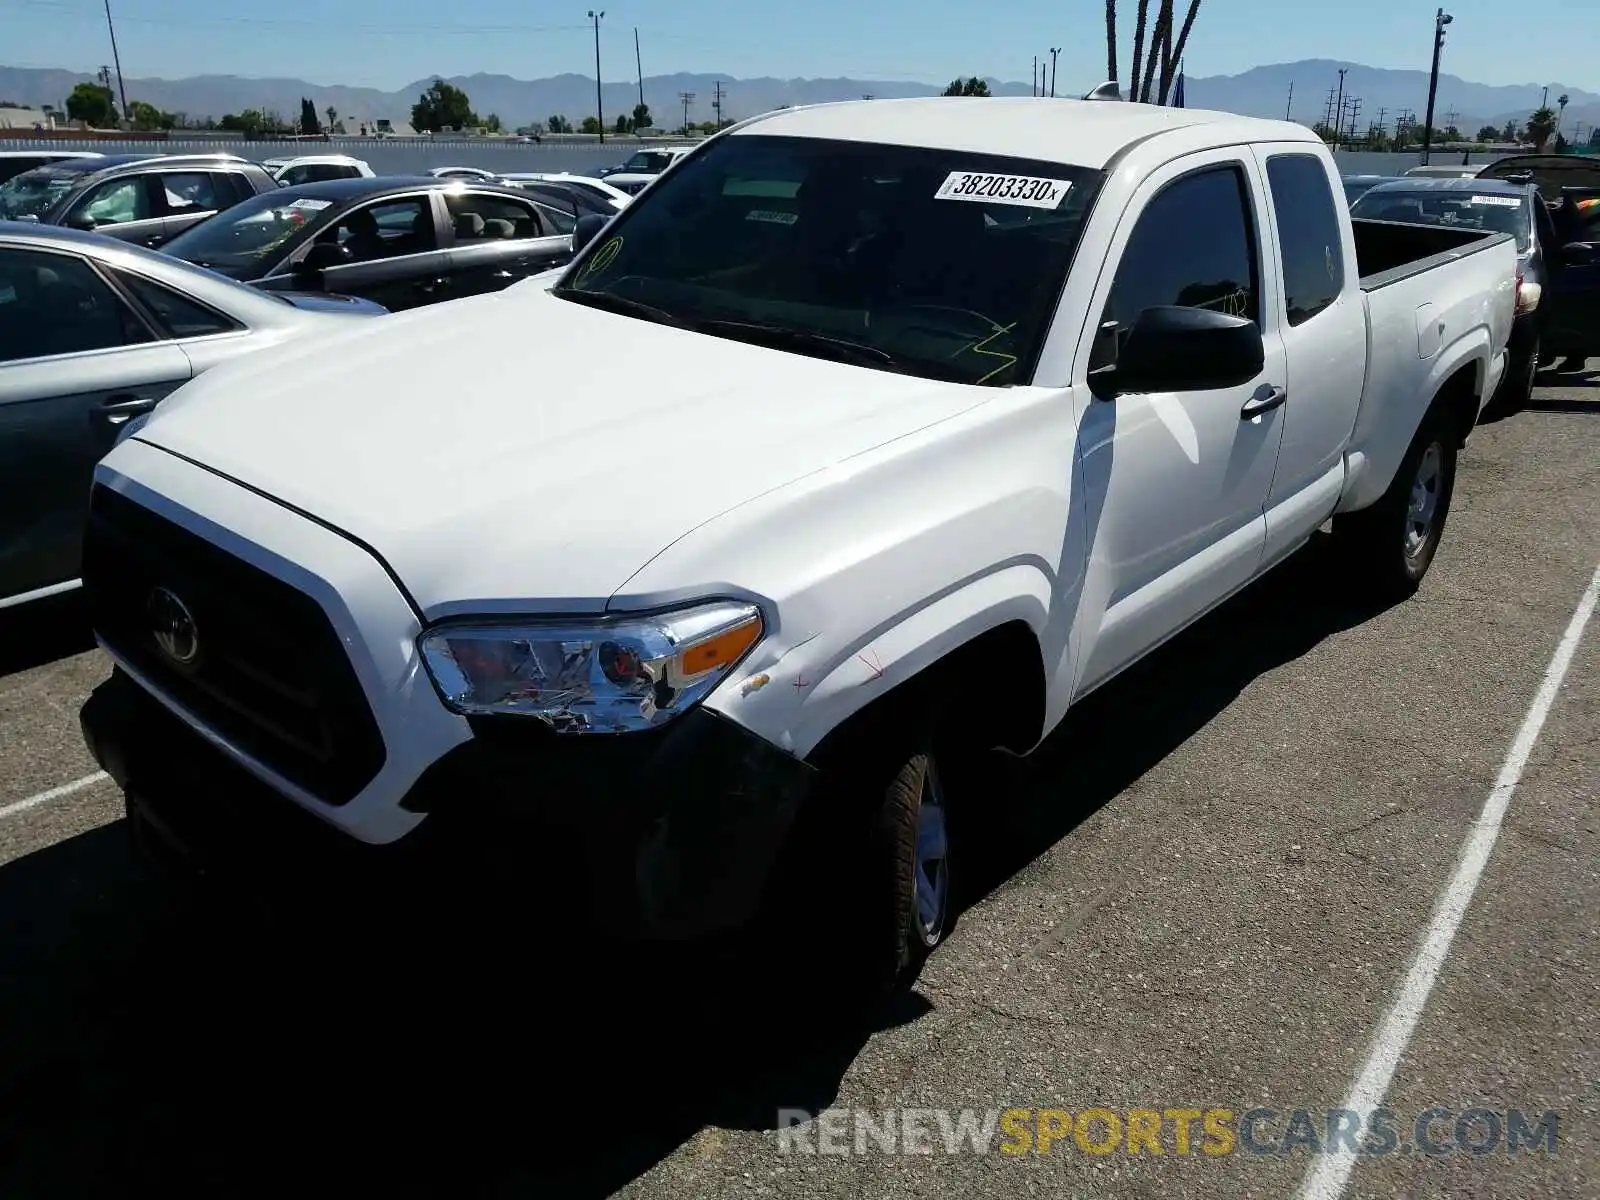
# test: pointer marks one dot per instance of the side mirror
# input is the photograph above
(587, 229)
(1579, 254)
(81, 221)
(320, 257)
(1171, 349)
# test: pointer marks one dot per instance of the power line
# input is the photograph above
(688, 99)
(716, 103)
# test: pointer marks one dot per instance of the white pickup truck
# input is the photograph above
(941, 413)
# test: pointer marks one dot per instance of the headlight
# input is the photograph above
(599, 675)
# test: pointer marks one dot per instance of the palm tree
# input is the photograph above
(1561, 103)
(333, 117)
(1177, 50)
(1111, 40)
(1138, 41)
(1540, 126)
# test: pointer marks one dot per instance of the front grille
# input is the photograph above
(269, 674)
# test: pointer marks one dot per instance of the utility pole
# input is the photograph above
(1450, 119)
(1054, 50)
(1338, 108)
(1440, 20)
(112, 30)
(1035, 74)
(599, 110)
(688, 99)
(1327, 112)
(1289, 106)
(716, 103)
(638, 64)
(1355, 114)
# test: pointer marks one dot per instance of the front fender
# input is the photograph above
(795, 695)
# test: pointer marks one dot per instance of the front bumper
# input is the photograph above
(661, 835)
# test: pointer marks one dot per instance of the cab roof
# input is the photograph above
(1088, 133)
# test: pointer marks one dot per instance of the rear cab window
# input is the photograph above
(932, 262)
(1309, 236)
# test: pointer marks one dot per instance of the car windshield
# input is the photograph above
(931, 262)
(32, 193)
(648, 160)
(250, 237)
(1490, 208)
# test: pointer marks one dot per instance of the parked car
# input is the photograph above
(15, 162)
(463, 173)
(400, 242)
(1492, 204)
(1356, 185)
(316, 168)
(93, 333)
(642, 168)
(599, 189)
(144, 198)
(1443, 171)
(985, 411)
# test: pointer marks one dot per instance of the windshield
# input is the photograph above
(930, 262)
(1490, 209)
(249, 238)
(32, 193)
(648, 160)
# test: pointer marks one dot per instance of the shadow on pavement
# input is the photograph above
(32, 635)
(152, 1042)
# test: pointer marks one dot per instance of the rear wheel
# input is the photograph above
(1517, 389)
(1393, 542)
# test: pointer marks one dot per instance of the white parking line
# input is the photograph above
(55, 793)
(1327, 1178)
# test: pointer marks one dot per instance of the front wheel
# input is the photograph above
(1393, 542)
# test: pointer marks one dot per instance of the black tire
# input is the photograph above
(846, 898)
(1389, 553)
(1516, 389)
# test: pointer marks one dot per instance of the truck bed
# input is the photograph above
(1388, 251)
(1439, 303)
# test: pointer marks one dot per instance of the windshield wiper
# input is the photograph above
(818, 344)
(621, 304)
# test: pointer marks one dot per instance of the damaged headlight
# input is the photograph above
(610, 674)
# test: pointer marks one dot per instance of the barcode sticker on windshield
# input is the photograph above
(309, 202)
(772, 216)
(1499, 201)
(1026, 190)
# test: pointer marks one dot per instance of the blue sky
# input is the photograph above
(389, 43)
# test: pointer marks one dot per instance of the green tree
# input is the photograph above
(145, 117)
(1541, 125)
(641, 116)
(967, 87)
(251, 122)
(442, 106)
(559, 124)
(492, 123)
(333, 117)
(1560, 145)
(1511, 132)
(590, 125)
(91, 103)
(622, 125)
(1488, 134)
(308, 117)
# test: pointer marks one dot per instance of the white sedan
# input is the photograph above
(316, 168)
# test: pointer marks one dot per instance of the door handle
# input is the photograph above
(122, 408)
(430, 286)
(1266, 399)
(503, 274)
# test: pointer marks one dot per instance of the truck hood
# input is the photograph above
(466, 445)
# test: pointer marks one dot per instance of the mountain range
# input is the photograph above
(1261, 91)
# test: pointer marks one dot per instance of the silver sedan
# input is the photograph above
(93, 333)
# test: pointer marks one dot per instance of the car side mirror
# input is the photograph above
(1579, 254)
(81, 221)
(320, 257)
(587, 229)
(1173, 349)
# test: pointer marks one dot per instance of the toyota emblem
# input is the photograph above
(172, 625)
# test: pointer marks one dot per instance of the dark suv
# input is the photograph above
(143, 198)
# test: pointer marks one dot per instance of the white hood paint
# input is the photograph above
(467, 443)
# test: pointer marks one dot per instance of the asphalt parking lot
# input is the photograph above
(1205, 893)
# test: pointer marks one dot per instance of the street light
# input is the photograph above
(599, 111)
(1440, 20)
(1054, 50)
